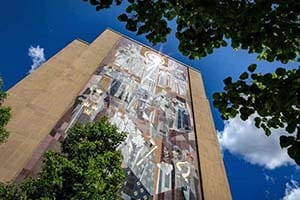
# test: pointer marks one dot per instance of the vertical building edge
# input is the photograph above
(213, 176)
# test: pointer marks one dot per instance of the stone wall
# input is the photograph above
(214, 179)
(41, 99)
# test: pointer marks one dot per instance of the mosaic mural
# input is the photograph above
(147, 96)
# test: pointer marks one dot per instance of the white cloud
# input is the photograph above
(292, 191)
(244, 139)
(269, 179)
(37, 56)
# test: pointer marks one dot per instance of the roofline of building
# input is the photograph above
(82, 41)
(151, 48)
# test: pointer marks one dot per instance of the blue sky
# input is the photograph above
(253, 173)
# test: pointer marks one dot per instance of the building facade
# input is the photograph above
(171, 150)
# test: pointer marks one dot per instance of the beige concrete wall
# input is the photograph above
(214, 180)
(41, 99)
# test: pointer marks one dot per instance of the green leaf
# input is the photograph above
(244, 76)
(245, 113)
(290, 128)
(118, 2)
(286, 141)
(123, 18)
(280, 71)
(216, 95)
(98, 8)
(294, 152)
(227, 80)
(252, 67)
(224, 43)
(268, 132)
(257, 121)
(94, 2)
(131, 25)
(129, 9)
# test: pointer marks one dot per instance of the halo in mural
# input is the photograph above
(154, 58)
(147, 96)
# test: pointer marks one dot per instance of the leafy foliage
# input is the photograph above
(9, 192)
(89, 171)
(91, 139)
(269, 28)
(4, 116)
(275, 97)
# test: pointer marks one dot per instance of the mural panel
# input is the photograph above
(147, 96)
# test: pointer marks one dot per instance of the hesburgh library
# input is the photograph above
(171, 150)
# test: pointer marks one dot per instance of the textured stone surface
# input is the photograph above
(214, 181)
(40, 99)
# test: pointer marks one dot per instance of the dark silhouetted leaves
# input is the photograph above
(294, 152)
(286, 141)
(123, 17)
(244, 76)
(252, 67)
(275, 97)
(227, 81)
(280, 71)
(204, 24)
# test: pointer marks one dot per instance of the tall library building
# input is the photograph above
(171, 150)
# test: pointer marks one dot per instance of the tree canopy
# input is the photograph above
(4, 115)
(273, 97)
(84, 170)
(270, 28)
